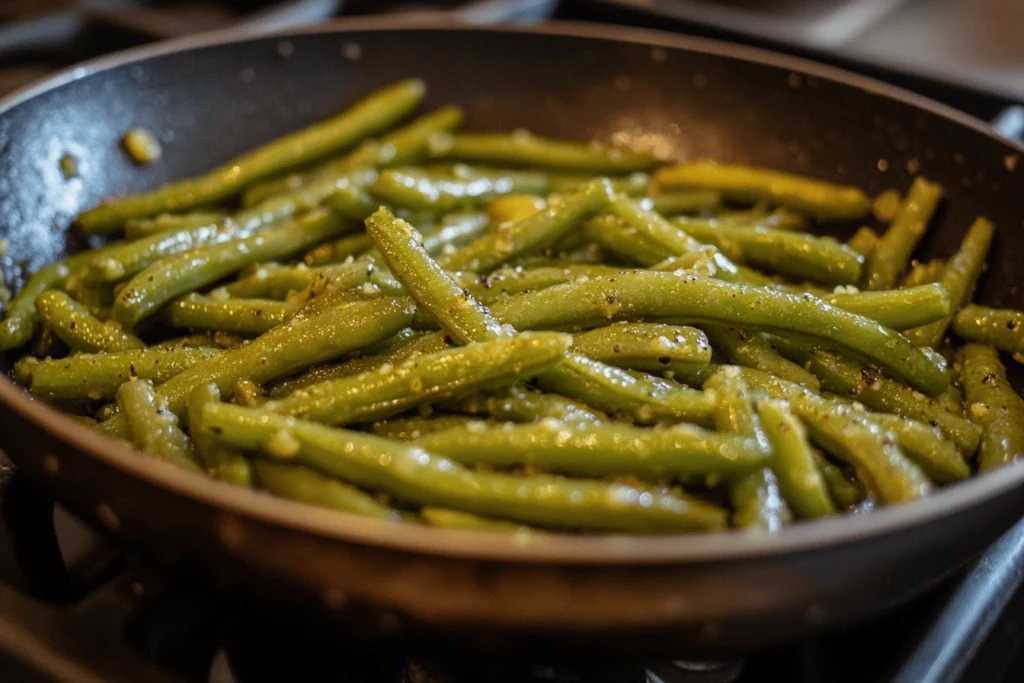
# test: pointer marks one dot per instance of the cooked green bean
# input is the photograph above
(380, 393)
(816, 198)
(793, 254)
(523, 148)
(273, 281)
(404, 145)
(958, 278)
(521, 404)
(756, 500)
(218, 461)
(800, 481)
(508, 281)
(307, 486)
(750, 349)
(153, 428)
(22, 319)
(897, 309)
(512, 208)
(625, 241)
(99, 375)
(867, 385)
(371, 114)
(144, 227)
(453, 519)
(845, 490)
(339, 250)
(892, 253)
(684, 201)
(190, 270)
(414, 189)
(79, 329)
(411, 473)
(599, 450)
(923, 273)
(863, 241)
(1001, 328)
(412, 428)
(242, 316)
(536, 232)
(994, 404)
(647, 294)
(646, 346)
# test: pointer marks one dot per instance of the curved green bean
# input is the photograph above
(892, 253)
(994, 404)
(750, 349)
(521, 404)
(412, 428)
(241, 316)
(817, 198)
(307, 486)
(411, 473)
(625, 241)
(800, 481)
(371, 114)
(897, 309)
(218, 460)
(154, 429)
(137, 228)
(608, 450)
(417, 190)
(78, 328)
(676, 202)
(22, 318)
(523, 148)
(453, 519)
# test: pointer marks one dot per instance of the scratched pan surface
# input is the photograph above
(213, 98)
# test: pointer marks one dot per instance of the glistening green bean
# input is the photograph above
(1001, 328)
(219, 461)
(242, 316)
(892, 252)
(78, 328)
(153, 428)
(646, 346)
(994, 404)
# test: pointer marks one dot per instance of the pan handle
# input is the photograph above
(1010, 123)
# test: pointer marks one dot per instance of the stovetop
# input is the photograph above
(78, 607)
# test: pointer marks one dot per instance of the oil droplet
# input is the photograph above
(883, 165)
(913, 165)
(1011, 161)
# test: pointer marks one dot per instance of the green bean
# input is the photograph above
(453, 519)
(99, 375)
(133, 257)
(892, 253)
(412, 428)
(924, 273)
(144, 227)
(76, 327)
(96, 298)
(634, 184)
(339, 250)
(994, 404)
(414, 189)
(242, 316)
(845, 491)
(218, 461)
(523, 148)
(179, 274)
(512, 208)
(684, 201)
(800, 481)
(373, 113)
(959, 278)
(793, 254)
(534, 233)
(22, 319)
(865, 383)
(646, 346)
(380, 393)
(248, 393)
(816, 198)
(863, 241)
(625, 241)
(756, 500)
(273, 281)
(750, 349)
(599, 450)
(153, 428)
(521, 404)
(307, 486)
(924, 444)
(508, 281)
(897, 309)
(404, 145)
(1001, 328)
(213, 339)
(412, 474)
(647, 294)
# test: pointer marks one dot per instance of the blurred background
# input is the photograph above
(967, 53)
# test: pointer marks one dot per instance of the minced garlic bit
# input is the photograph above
(283, 444)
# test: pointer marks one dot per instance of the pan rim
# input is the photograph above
(485, 546)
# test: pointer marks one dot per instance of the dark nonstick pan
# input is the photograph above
(211, 98)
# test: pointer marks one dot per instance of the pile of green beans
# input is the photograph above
(502, 332)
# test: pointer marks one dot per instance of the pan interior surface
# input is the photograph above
(681, 99)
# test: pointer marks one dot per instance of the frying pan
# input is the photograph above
(213, 97)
